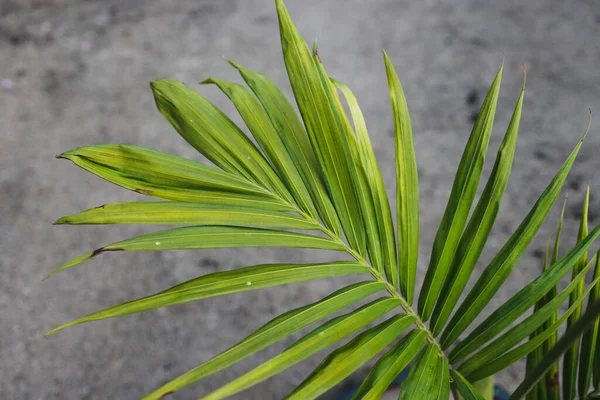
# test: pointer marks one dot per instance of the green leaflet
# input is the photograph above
(210, 237)
(521, 351)
(356, 167)
(464, 387)
(152, 173)
(348, 358)
(588, 353)
(459, 204)
(323, 130)
(479, 226)
(278, 328)
(419, 382)
(387, 238)
(183, 213)
(318, 339)
(573, 334)
(292, 133)
(441, 381)
(390, 366)
(528, 326)
(227, 282)
(571, 357)
(264, 132)
(503, 263)
(521, 302)
(552, 381)
(214, 135)
(407, 188)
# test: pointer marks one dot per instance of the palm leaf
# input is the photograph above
(480, 224)
(292, 133)
(348, 358)
(227, 282)
(419, 382)
(184, 213)
(264, 132)
(512, 309)
(390, 366)
(460, 201)
(322, 127)
(279, 328)
(318, 339)
(573, 334)
(407, 188)
(570, 359)
(503, 263)
(210, 237)
(588, 354)
(464, 387)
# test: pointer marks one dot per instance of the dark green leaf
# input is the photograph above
(419, 382)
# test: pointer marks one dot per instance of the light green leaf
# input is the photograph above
(464, 387)
(485, 386)
(275, 330)
(268, 139)
(214, 135)
(292, 133)
(521, 302)
(152, 173)
(387, 237)
(523, 350)
(419, 382)
(571, 357)
(210, 237)
(318, 339)
(322, 127)
(526, 327)
(183, 213)
(459, 204)
(588, 353)
(227, 282)
(573, 334)
(503, 263)
(480, 224)
(407, 188)
(348, 358)
(390, 366)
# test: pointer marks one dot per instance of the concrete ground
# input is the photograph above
(76, 72)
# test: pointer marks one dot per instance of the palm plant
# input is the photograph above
(317, 173)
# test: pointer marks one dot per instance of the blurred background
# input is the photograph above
(74, 73)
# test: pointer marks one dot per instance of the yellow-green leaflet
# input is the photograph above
(318, 339)
(407, 189)
(387, 237)
(348, 358)
(292, 133)
(390, 366)
(221, 283)
(210, 237)
(479, 226)
(503, 263)
(183, 213)
(275, 330)
(323, 130)
(521, 351)
(214, 135)
(571, 357)
(262, 129)
(459, 204)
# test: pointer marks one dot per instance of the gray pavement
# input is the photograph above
(76, 72)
